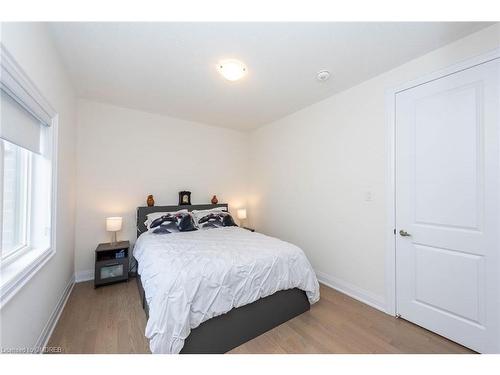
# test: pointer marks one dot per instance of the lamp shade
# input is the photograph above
(113, 224)
(242, 213)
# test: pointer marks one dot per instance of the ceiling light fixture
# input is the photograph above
(232, 69)
(323, 75)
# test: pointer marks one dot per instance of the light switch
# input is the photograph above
(368, 196)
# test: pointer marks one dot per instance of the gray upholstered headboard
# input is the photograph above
(142, 212)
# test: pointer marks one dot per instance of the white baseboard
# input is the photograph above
(365, 296)
(54, 317)
(86, 275)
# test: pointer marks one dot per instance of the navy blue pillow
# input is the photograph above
(216, 220)
(186, 223)
(164, 224)
(228, 221)
(162, 229)
(181, 222)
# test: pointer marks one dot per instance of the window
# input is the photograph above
(26, 179)
(27, 163)
(16, 197)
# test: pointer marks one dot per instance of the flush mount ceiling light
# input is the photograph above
(323, 75)
(232, 69)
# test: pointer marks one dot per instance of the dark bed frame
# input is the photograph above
(225, 332)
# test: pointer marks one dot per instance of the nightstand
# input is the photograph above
(111, 263)
(250, 229)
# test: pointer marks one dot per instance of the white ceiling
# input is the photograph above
(169, 68)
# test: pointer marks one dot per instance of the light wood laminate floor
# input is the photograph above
(110, 319)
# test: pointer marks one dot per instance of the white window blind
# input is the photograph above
(19, 126)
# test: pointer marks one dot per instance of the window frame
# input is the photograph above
(19, 267)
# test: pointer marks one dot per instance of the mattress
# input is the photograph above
(190, 277)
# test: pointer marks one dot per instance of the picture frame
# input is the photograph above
(184, 198)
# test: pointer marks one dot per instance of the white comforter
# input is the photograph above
(191, 277)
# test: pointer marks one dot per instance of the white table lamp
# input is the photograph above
(113, 225)
(241, 214)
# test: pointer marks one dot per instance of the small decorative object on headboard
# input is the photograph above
(214, 200)
(184, 198)
(150, 201)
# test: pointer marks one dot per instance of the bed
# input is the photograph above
(209, 291)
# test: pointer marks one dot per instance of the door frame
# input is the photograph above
(390, 175)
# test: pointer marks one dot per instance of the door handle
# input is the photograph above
(404, 233)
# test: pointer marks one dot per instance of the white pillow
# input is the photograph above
(198, 214)
(155, 215)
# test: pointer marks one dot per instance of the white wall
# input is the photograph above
(313, 169)
(25, 316)
(124, 155)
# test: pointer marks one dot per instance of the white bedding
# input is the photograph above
(190, 277)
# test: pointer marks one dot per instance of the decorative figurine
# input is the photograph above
(214, 200)
(184, 198)
(150, 201)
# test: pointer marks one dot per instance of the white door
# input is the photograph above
(447, 206)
